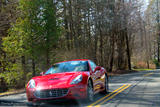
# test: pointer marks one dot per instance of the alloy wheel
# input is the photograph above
(90, 91)
(106, 84)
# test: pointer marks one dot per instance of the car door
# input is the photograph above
(95, 76)
(102, 77)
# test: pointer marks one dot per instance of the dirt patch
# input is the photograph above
(142, 64)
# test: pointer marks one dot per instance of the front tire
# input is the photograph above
(31, 104)
(90, 93)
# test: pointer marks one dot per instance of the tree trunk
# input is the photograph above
(71, 24)
(24, 68)
(158, 50)
(112, 53)
(95, 49)
(148, 64)
(101, 45)
(47, 58)
(66, 26)
(158, 31)
(128, 51)
(33, 67)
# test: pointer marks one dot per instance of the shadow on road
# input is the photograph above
(52, 103)
(4, 103)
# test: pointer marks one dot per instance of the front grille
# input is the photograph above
(51, 93)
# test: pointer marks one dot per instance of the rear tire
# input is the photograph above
(106, 90)
(90, 93)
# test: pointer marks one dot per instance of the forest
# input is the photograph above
(116, 34)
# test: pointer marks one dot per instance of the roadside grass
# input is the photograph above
(121, 72)
(141, 69)
(12, 91)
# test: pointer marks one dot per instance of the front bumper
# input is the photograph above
(78, 91)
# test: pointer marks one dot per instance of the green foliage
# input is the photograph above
(13, 76)
(156, 63)
(29, 76)
(33, 35)
(13, 44)
(13, 79)
(34, 31)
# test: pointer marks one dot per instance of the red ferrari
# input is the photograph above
(75, 79)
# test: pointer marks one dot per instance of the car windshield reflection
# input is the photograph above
(71, 66)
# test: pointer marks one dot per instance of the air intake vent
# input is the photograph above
(51, 93)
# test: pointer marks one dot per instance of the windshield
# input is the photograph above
(71, 66)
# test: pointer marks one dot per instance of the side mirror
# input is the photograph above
(42, 73)
(97, 68)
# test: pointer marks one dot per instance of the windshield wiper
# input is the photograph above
(48, 74)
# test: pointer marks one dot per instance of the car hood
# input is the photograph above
(58, 80)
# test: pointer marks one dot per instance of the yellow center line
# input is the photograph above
(120, 89)
(106, 96)
(112, 96)
(145, 75)
(97, 106)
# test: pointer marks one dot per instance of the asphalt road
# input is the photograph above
(130, 90)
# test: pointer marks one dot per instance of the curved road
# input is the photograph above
(140, 89)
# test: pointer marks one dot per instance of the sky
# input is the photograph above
(146, 3)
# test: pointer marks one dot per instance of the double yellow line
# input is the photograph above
(109, 96)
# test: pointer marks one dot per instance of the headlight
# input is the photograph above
(31, 84)
(77, 79)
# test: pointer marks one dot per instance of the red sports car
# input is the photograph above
(75, 79)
